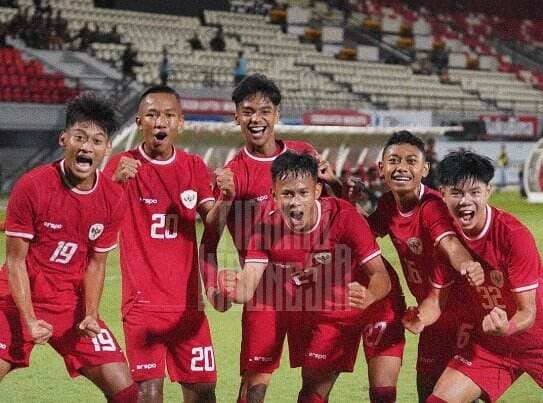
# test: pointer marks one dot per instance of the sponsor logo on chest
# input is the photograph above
(95, 231)
(148, 201)
(262, 198)
(150, 365)
(189, 198)
(51, 225)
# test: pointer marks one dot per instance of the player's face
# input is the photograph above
(467, 203)
(85, 146)
(403, 168)
(295, 197)
(159, 119)
(257, 116)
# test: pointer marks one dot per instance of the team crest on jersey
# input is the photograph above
(189, 198)
(415, 245)
(95, 231)
(496, 277)
(322, 257)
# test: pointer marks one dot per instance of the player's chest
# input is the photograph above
(256, 183)
(71, 219)
(164, 191)
(409, 237)
(305, 251)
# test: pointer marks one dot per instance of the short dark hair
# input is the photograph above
(461, 166)
(293, 164)
(256, 83)
(404, 137)
(160, 89)
(91, 107)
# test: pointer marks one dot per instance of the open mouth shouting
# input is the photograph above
(297, 219)
(83, 163)
(257, 131)
(159, 139)
(466, 216)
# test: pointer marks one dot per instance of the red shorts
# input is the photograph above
(178, 341)
(263, 336)
(440, 342)
(335, 336)
(327, 339)
(494, 373)
(78, 351)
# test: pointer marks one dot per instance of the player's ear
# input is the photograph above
(318, 190)
(442, 191)
(62, 138)
(425, 169)
(138, 121)
(236, 117)
(381, 168)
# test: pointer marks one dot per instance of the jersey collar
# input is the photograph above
(410, 213)
(265, 159)
(71, 186)
(157, 162)
(484, 231)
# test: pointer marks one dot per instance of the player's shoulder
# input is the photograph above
(39, 176)
(505, 222)
(336, 208)
(386, 201)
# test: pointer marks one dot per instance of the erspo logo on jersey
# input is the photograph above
(95, 231)
(189, 198)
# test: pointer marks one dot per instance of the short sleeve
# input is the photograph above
(108, 239)
(358, 235)
(437, 219)
(442, 274)
(524, 263)
(21, 210)
(256, 247)
(203, 186)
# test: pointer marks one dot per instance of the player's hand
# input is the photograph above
(411, 320)
(218, 300)
(359, 296)
(325, 172)
(126, 169)
(2, 226)
(225, 182)
(305, 276)
(496, 322)
(474, 273)
(39, 330)
(89, 326)
(227, 280)
(353, 188)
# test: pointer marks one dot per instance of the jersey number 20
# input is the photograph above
(164, 226)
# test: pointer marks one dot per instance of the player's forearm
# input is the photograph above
(93, 286)
(455, 252)
(429, 310)
(208, 259)
(216, 217)
(247, 281)
(378, 287)
(19, 286)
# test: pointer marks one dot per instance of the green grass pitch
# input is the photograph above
(47, 381)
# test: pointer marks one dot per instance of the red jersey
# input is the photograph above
(507, 251)
(63, 225)
(253, 183)
(415, 235)
(335, 247)
(159, 259)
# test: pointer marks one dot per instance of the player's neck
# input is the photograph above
(84, 185)
(266, 150)
(157, 154)
(407, 201)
